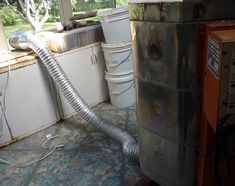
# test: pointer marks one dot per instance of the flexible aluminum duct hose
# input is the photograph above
(25, 41)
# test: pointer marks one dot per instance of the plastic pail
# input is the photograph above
(121, 89)
(118, 57)
(116, 25)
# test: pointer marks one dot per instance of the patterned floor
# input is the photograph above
(89, 158)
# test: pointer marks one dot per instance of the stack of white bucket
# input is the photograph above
(118, 56)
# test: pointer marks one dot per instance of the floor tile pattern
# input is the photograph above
(89, 158)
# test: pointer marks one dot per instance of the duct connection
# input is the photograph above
(28, 41)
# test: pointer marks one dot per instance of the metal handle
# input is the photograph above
(96, 59)
(115, 65)
(118, 93)
(92, 61)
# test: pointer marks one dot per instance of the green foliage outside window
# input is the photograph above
(8, 16)
(120, 3)
(13, 22)
(88, 5)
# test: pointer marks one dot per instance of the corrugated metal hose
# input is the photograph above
(25, 41)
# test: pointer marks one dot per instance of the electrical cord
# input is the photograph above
(3, 102)
(48, 138)
(3, 116)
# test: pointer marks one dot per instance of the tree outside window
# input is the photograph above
(35, 15)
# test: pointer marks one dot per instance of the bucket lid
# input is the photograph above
(120, 79)
(126, 45)
(112, 11)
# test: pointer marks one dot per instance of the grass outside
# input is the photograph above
(22, 26)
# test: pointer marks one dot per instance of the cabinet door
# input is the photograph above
(77, 65)
(29, 105)
(98, 72)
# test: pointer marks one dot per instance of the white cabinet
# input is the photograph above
(29, 103)
(85, 69)
(32, 100)
(98, 70)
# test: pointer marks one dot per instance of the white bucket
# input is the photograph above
(118, 75)
(121, 90)
(118, 57)
(116, 25)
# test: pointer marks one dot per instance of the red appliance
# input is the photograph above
(216, 152)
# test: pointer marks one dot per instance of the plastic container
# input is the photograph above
(118, 75)
(116, 25)
(121, 89)
(118, 57)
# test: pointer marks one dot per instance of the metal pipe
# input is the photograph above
(24, 41)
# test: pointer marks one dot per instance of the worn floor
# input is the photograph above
(88, 158)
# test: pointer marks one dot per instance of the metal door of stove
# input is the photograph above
(165, 53)
(166, 120)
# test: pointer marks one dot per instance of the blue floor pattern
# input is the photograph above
(89, 158)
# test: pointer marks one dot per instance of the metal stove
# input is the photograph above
(166, 39)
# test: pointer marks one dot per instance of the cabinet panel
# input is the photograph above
(77, 67)
(167, 55)
(29, 105)
(170, 163)
(167, 112)
(85, 69)
(98, 70)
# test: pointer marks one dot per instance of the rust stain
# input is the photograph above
(10, 131)
(16, 139)
(8, 126)
(12, 141)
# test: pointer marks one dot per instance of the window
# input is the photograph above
(13, 21)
